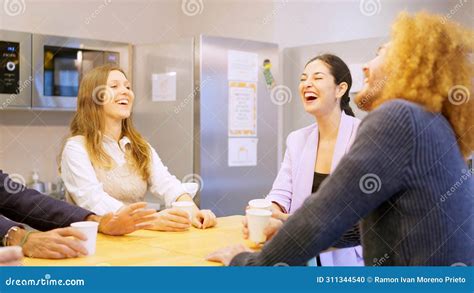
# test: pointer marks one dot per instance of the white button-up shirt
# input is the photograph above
(85, 189)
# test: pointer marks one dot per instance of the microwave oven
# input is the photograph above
(59, 63)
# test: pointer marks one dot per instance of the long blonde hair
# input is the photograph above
(88, 121)
(428, 63)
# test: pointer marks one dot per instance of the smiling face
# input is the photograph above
(120, 106)
(318, 91)
(374, 81)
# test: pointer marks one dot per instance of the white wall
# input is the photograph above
(245, 19)
(137, 21)
(301, 23)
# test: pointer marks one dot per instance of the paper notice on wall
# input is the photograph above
(357, 77)
(163, 87)
(242, 151)
(242, 66)
(242, 109)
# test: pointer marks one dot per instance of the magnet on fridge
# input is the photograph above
(269, 80)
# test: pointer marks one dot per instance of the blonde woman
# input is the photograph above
(106, 163)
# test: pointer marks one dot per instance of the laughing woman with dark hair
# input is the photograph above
(313, 152)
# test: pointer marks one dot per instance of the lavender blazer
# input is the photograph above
(295, 179)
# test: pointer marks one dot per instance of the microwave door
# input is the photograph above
(90, 60)
(66, 77)
(61, 72)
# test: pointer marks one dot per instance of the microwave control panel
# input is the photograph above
(9, 67)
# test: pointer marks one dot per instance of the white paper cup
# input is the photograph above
(88, 228)
(191, 187)
(260, 203)
(186, 206)
(257, 220)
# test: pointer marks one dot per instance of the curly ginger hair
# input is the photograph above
(429, 63)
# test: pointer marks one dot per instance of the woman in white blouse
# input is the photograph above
(106, 163)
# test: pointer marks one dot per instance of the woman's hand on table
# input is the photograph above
(171, 220)
(126, 220)
(204, 219)
(226, 254)
(278, 214)
(11, 256)
(273, 227)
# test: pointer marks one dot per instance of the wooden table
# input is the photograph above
(154, 248)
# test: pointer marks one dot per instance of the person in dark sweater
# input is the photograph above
(19, 205)
(405, 179)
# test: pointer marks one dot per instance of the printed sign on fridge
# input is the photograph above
(242, 66)
(242, 108)
(242, 151)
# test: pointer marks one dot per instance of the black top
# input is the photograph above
(352, 236)
(317, 180)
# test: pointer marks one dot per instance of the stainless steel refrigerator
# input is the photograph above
(189, 124)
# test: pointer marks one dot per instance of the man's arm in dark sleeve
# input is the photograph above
(350, 239)
(5, 225)
(380, 154)
(37, 210)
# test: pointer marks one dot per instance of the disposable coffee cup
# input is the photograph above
(260, 203)
(257, 220)
(186, 206)
(191, 188)
(89, 229)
